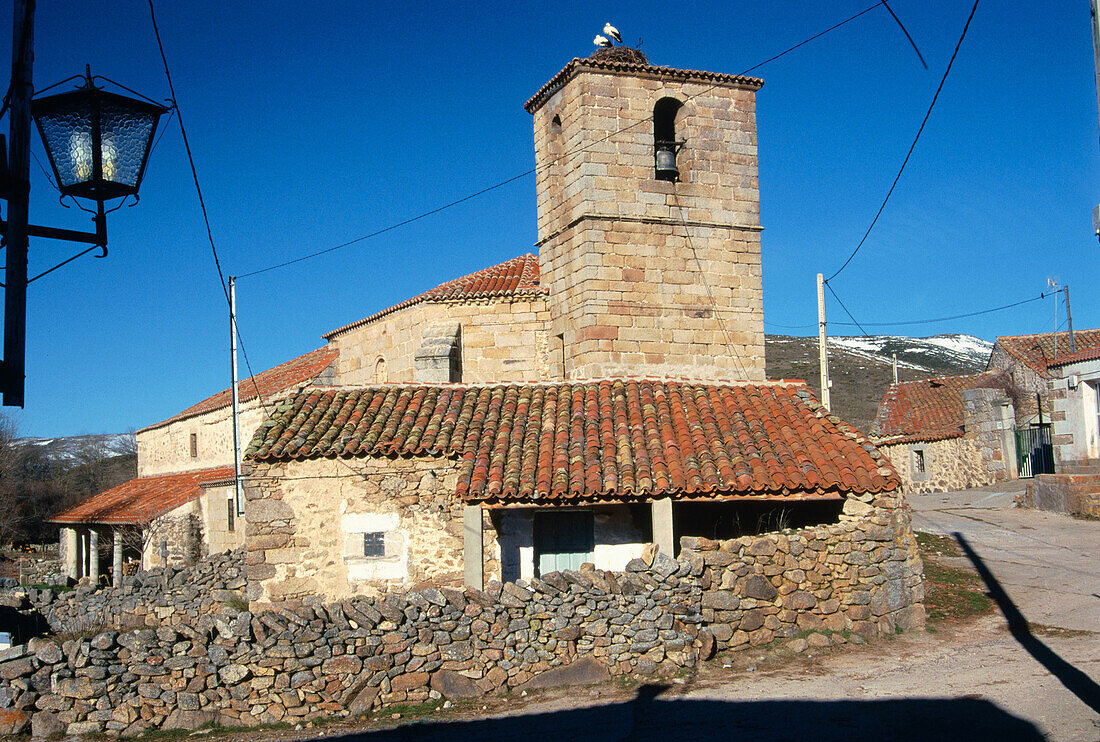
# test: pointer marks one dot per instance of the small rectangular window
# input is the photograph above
(374, 544)
(231, 514)
(194, 445)
(918, 461)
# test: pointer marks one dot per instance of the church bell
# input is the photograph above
(666, 162)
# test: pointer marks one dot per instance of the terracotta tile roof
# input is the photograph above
(1037, 351)
(926, 410)
(645, 70)
(515, 277)
(620, 439)
(143, 499)
(1087, 354)
(298, 371)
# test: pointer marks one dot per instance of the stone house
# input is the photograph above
(352, 490)
(948, 433)
(1027, 360)
(182, 503)
(1074, 392)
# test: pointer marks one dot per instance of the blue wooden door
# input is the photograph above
(563, 540)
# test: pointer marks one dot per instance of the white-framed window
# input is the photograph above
(375, 546)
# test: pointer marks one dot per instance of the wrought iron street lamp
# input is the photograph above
(98, 143)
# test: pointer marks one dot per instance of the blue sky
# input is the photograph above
(316, 123)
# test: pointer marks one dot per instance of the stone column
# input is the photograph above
(662, 526)
(70, 546)
(473, 557)
(116, 561)
(93, 556)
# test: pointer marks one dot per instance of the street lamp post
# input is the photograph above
(98, 143)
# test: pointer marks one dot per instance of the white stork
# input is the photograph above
(612, 32)
(601, 41)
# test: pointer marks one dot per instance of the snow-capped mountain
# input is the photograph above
(860, 367)
(80, 449)
(926, 354)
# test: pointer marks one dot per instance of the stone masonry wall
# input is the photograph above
(157, 597)
(302, 515)
(167, 449)
(809, 587)
(500, 341)
(951, 464)
(648, 276)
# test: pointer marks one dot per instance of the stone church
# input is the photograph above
(566, 407)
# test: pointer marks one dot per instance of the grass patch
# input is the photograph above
(933, 544)
(409, 710)
(238, 602)
(953, 594)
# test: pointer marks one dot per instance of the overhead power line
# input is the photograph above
(838, 301)
(202, 201)
(533, 170)
(946, 319)
(911, 147)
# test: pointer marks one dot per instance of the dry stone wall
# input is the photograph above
(814, 586)
(158, 597)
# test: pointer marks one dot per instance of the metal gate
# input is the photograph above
(1034, 450)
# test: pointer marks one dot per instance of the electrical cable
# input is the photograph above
(911, 147)
(866, 334)
(941, 319)
(559, 158)
(202, 202)
(706, 285)
(187, 147)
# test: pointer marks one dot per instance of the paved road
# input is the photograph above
(999, 680)
(1049, 564)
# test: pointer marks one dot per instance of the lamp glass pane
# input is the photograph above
(126, 135)
(68, 136)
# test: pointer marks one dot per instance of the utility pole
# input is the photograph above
(238, 500)
(15, 275)
(895, 368)
(822, 354)
(1069, 321)
(1096, 63)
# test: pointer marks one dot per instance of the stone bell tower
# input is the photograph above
(649, 220)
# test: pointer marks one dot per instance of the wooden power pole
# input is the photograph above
(823, 356)
(13, 374)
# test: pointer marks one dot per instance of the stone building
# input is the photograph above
(948, 433)
(1074, 392)
(182, 503)
(562, 408)
(1027, 361)
(353, 490)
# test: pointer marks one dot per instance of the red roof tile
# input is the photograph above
(516, 277)
(601, 440)
(647, 70)
(143, 499)
(928, 409)
(1037, 351)
(1087, 354)
(300, 370)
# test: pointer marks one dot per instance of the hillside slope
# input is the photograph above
(860, 367)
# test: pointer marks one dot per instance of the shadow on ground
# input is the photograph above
(1075, 681)
(649, 718)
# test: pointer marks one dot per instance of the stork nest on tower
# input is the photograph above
(619, 54)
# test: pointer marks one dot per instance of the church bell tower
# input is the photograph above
(649, 220)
